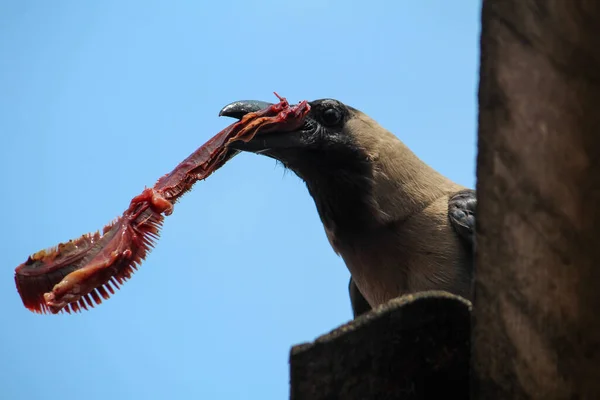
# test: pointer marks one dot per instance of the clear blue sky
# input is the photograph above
(99, 99)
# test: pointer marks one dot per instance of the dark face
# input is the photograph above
(324, 153)
(321, 143)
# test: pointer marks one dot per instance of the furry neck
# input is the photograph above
(365, 188)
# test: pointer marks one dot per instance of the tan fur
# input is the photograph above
(411, 245)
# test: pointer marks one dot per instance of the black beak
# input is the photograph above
(271, 144)
(238, 109)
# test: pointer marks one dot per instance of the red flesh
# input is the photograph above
(82, 272)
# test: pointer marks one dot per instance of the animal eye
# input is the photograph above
(331, 116)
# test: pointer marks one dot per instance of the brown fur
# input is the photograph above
(410, 245)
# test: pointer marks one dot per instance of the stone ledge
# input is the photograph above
(414, 347)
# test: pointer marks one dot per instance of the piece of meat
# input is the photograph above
(82, 272)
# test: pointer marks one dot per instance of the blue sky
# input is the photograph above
(99, 99)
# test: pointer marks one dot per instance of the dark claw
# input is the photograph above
(238, 109)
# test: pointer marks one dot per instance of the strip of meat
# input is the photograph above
(82, 272)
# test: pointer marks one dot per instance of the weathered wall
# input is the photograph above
(536, 331)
